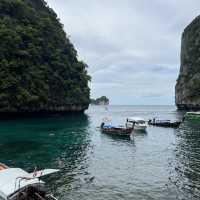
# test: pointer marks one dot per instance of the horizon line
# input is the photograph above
(137, 105)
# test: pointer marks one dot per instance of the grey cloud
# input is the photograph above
(131, 46)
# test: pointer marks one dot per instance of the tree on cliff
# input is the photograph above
(39, 69)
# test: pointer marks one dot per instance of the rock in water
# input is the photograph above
(39, 69)
(188, 83)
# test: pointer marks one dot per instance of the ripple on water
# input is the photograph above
(161, 164)
(186, 176)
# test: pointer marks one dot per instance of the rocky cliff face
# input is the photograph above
(39, 68)
(188, 83)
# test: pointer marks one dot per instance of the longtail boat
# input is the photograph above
(119, 131)
(164, 123)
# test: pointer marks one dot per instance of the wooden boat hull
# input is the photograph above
(117, 131)
(166, 124)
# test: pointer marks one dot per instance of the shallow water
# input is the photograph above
(163, 163)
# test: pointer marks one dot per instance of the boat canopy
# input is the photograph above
(11, 181)
(135, 119)
(15, 179)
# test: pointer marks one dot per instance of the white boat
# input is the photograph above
(137, 123)
(192, 115)
(17, 184)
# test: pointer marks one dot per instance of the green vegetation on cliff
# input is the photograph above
(39, 69)
(100, 101)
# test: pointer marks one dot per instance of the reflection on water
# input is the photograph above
(186, 175)
(162, 163)
(29, 142)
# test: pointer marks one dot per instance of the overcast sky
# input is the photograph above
(132, 47)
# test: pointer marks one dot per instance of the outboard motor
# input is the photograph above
(102, 125)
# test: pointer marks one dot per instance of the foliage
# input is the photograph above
(39, 68)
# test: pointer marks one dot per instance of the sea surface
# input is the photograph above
(163, 163)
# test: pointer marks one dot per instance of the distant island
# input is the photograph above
(188, 83)
(39, 67)
(100, 101)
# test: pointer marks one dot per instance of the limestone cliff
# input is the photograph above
(188, 82)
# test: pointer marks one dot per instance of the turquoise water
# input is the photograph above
(163, 163)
